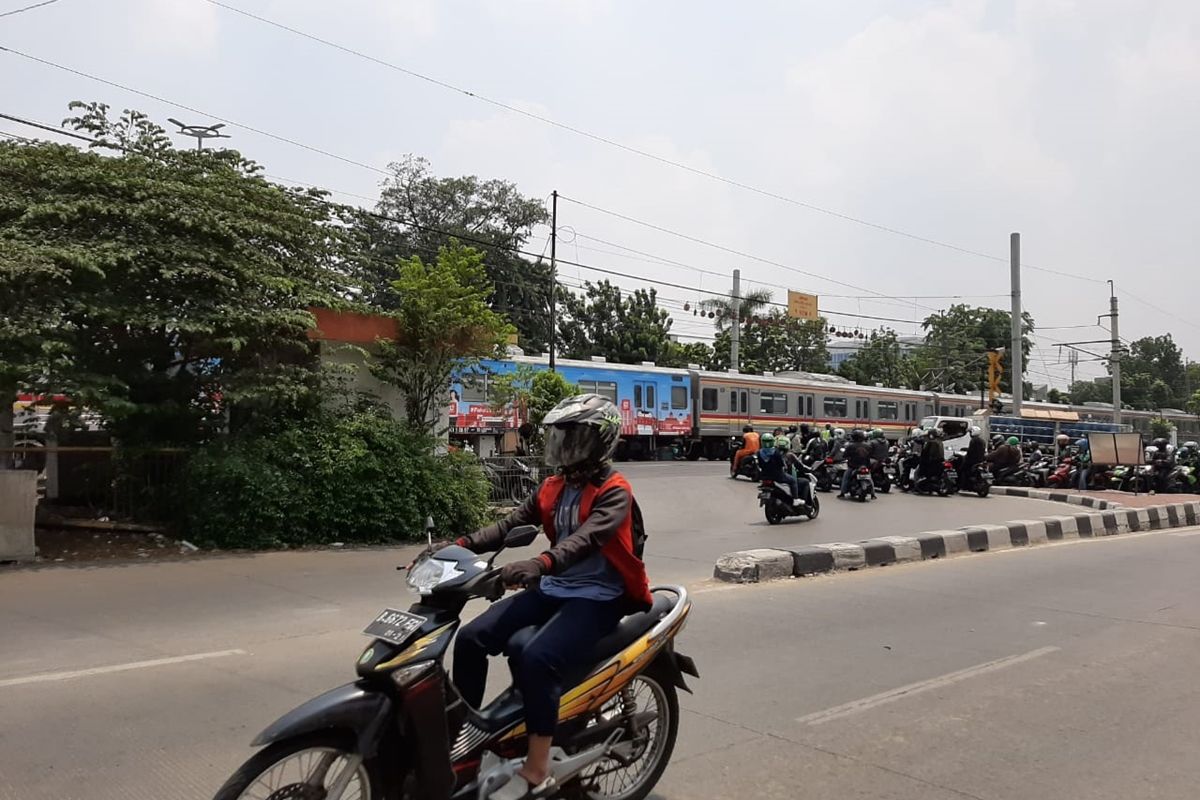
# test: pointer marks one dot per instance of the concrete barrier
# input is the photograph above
(18, 504)
(750, 566)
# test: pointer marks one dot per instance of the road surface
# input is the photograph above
(1058, 671)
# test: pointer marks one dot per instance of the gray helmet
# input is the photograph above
(582, 432)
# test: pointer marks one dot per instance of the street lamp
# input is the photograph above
(199, 132)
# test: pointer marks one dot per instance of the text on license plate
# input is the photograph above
(394, 626)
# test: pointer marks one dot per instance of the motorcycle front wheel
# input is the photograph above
(636, 778)
(302, 768)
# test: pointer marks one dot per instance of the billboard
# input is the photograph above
(802, 306)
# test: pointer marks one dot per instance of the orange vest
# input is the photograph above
(619, 549)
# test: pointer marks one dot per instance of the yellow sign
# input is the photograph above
(802, 306)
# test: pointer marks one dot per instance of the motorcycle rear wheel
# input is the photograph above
(285, 771)
(983, 490)
(609, 780)
(773, 517)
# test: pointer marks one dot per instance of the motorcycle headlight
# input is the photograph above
(431, 572)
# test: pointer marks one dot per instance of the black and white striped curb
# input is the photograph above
(1056, 496)
(764, 564)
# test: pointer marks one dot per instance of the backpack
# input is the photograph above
(639, 530)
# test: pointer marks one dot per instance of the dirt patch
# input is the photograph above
(56, 544)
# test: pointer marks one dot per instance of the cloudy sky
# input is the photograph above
(1075, 122)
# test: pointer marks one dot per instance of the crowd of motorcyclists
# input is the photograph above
(860, 463)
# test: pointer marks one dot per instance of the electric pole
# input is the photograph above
(1114, 353)
(735, 333)
(1018, 374)
(553, 274)
(1073, 360)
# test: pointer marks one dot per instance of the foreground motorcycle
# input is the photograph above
(977, 479)
(862, 488)
(884, 473)
(778, 504)
(402, 732)
(943, 485)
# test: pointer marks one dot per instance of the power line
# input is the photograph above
(28, 8)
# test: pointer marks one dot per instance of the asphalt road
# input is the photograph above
(1058, 671)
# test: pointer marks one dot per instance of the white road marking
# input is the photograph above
(892, 695)
(46, 677)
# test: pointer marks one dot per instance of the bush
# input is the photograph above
(358, 478)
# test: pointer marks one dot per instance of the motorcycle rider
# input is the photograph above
(578, 589)
(879, 445)
(749, 447)
(933, 456)
(1007, 455)
(857, 454)
(1162, 462)
(796, 468)
(793, 437)
(814, 445)
(976, 450)
(912, 458)
(837, 444)
(772, 460)
(1083, 461)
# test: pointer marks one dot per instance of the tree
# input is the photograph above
(1160, 428)
(957, 339)
(776, 343)
(1193, 403)
(1055, 396)
(625, 327)
(1153, 374)
(166, 289)
(1090, 392)
(426, 212)
(749, 305)
(681, 354)
(879, 360)
(443, 322)
(534, 391)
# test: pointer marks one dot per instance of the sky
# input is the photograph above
(877, 154)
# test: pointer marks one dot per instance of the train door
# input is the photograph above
(644, 412)
(739, 407)
(804, 408)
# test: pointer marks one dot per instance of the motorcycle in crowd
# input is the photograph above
(862, 488)
(885, 472)
(1065, 476)
(748, 467)
(401, 731)
(822, 473)
(977, 479)
(943, 485)
(777, 503)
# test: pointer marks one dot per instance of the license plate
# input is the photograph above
(394, 626)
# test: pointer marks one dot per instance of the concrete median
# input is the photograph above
(753, 566)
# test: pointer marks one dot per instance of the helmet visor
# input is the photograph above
(569, 445)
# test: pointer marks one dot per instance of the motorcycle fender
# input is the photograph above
(671, 666)
(352, 707)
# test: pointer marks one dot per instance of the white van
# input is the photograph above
(956, 431)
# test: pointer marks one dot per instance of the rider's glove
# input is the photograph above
(523, 573)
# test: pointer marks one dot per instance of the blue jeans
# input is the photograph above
(567, 629)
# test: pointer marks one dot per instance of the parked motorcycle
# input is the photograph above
(1064, 476)
(778, 504)
(1017, 475)
(401, 731)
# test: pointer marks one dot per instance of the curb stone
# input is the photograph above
(764, 564)
(1057, 497)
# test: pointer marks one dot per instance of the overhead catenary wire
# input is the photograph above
(28, 8)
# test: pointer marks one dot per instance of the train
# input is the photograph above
(693, 412)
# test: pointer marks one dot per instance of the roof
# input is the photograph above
(1049, 414)
(575, 362)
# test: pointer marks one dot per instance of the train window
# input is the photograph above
(889, 409)
(607, 389)
(835, 407)
(650, 396)
(679, 397)
(708, 400)
(861, 408)
(637, 395)
(474, 387)
(772, 403)
(733, 402)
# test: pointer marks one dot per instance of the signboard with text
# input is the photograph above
(802, 306)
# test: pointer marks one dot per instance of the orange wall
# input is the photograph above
(351, 327)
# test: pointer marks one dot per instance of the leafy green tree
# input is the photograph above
(489, 215)
(955, 343)
(626, 327)
(681, 354)
(443, 322)
(879, 360)
(1160, 428)
(1193, 403)
(776, 343)
(1055, 396)
(1089, 392)
(171, 286)
(1153, 374)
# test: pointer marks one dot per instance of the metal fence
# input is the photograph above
(512, 478)
(135, 484)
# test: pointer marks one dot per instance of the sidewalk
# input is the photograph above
(1131, 500)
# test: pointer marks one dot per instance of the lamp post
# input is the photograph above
(200, 132)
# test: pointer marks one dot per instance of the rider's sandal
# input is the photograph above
(517, 788)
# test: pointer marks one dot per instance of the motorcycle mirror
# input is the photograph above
(429, 530)
(521, 536)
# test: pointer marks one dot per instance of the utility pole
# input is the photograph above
(1073, 360)
(553, 275)
(735, 333)
(1114, 353)
(1017, 374)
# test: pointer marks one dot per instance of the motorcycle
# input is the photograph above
(401, 731)
(748, 467)
(1017, 475)
(884, 474)
(778, 504)
(1065, 476)
(942, 485)
(862, 487)
(822, 474)
(977, 479)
